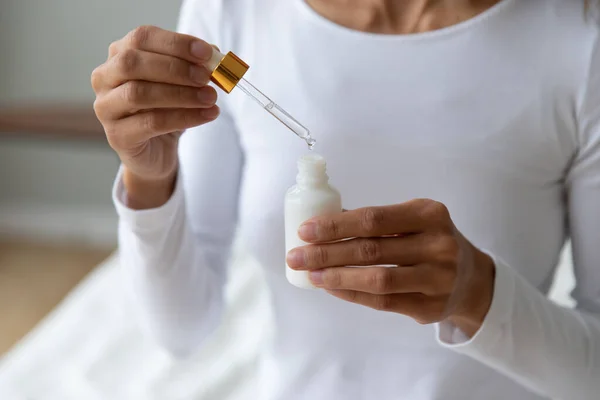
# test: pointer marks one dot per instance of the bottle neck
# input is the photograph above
(312, 181)
(312, 171)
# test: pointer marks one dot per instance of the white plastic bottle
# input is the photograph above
(310, 197)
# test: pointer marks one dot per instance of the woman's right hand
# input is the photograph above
(152, 87)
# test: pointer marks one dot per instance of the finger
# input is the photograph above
(410, 217)
(139, 65)
(402, 251)
(405, 303)
(135, 96)
(148, 124)
(423, 309)
(382, 280)
(157, 40)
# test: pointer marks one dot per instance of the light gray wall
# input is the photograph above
(65, 173)
(4, 40)
(48, 49)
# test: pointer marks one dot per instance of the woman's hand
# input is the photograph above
(438, 275)
(152, 87)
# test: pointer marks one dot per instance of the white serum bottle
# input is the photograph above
(311, 196)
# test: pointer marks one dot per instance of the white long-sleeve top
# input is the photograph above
(497, 117)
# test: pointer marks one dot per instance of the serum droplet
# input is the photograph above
(310, 142)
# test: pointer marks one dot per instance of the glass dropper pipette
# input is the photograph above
(228, 72)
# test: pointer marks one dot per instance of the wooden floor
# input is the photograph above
(33, 279)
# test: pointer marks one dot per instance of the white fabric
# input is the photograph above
(90, 348)
(497, 117)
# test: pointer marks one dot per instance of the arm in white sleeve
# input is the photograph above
(552, 350)
(174, 257)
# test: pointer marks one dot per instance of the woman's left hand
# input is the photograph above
(437, 273)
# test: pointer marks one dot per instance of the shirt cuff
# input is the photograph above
(150, 219)
(495, 323)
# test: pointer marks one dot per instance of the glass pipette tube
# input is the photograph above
(275, 110)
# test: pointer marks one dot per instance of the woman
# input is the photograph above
(464, 137)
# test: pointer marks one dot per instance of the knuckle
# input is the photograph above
(188, 119)
(182, 119)
(172, 41)
(127, 61)
(113, 48)
(184, 94)
(436, 211)
(174, 67)
(319, 255)
(372, 219)
(383, 303)
(439, 209)
(382, 281)
(139, 36)
(329, 228)
(333, 278)
(369, 251)
(447, 251)
(154, 122)
(99, 107)
(134, 92)
(96, 78)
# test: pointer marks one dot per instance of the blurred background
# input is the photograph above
(56, 169)
(66, 331)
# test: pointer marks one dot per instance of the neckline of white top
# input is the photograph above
(477, 20)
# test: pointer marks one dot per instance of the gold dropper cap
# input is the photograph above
(228, 72)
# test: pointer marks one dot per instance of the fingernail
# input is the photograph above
(308, 231)
(198, 74)
(296, 258)
(211, 113)
(207, 96)
(316, 277)
(202, 50)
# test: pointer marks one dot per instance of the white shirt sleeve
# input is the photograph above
(174, 257)
(552, 350)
